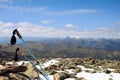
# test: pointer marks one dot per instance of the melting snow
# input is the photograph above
(84, 69)
(70, 79)
(98, 76)
(9, 63)
(50, 77)
(50, 62)
(19, 63)
(86, 75)
(70, 71)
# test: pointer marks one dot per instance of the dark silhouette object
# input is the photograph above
(16, 55)
(2, 62)
(13, 38)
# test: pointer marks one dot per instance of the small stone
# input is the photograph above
(61, 76)
(107, 71)
(52, 67)
(4, 78)
(13, 76)
(117, 71)
(81, 78)
(110, 79)
(52, 72)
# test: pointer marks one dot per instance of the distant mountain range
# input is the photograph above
(35, 39)
(68, 47)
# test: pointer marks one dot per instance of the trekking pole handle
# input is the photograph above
(18, 34)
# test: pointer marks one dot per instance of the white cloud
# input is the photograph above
(5, 28)
(7, 1)
(12, 1)
(75, 11)
(44, 10)
(29, 29)
(8, 24)
(17, 8)
(46, 21)
(70, 26)
(104, 30)
(34, 30)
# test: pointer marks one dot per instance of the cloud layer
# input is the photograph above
(70, 26)
(32, 30)
(6, 1)
(44, 10)
(46, 21)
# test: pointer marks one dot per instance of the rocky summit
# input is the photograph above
(62, 69)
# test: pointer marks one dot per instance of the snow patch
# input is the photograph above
(70, 71)
(21, 62)
(50, 62)
(43, 78)
(111, 69)
(84, 69)
(98, 76)
(9, 62)
(70, 79)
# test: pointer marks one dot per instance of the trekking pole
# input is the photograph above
(31, 53)
(38, 70)
(25, 44)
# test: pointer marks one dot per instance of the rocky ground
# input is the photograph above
(62, 69)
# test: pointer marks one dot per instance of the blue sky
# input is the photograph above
(61, 18)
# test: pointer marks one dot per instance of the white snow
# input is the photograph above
(70, 79)
(98, 76)
(9, 63)
(1, 65)
(43, 78)
(87, 75)
(111, 69)
(59, 71)
(19, 62)
(70, 71)
(116, 76)
(84, 69)
(50, 62)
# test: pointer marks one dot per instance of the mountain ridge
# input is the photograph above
(70, 47)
